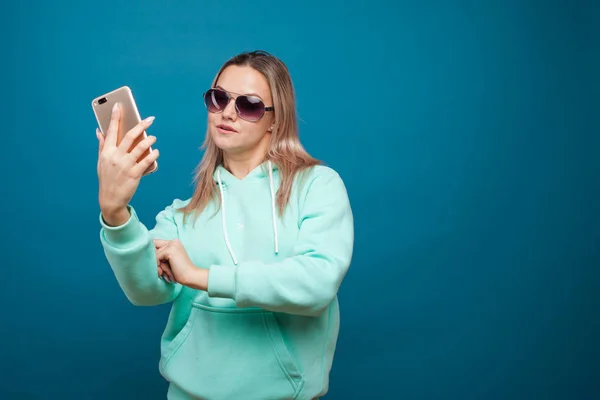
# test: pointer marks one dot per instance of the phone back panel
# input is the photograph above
(130, 117)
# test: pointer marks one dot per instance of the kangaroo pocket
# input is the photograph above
(225, 353)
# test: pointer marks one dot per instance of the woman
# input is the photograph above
(252, 261)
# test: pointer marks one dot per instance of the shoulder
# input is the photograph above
(176, 206)
(323, 171)
(320, 182)
(180, 203)
(320, 175)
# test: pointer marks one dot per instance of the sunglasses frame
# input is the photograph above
(237, 110)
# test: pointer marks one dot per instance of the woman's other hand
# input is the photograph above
(175, 265)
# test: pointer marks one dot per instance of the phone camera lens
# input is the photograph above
(102, 100)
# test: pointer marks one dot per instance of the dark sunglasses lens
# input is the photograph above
(250, 108)
(216, 100)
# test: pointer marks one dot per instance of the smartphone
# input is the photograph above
(130, 117)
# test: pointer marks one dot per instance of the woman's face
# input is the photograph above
(231, 133)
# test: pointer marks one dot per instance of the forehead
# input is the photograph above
(244, 80)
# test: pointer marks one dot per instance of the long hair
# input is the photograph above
(285, 149)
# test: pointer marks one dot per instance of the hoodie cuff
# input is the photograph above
(221, 281)
(123, 235)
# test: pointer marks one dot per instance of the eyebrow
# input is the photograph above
(243, 94)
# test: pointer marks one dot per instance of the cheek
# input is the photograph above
(254, 132)
(212, 118)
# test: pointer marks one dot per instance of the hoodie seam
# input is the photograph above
(183, 339)
(304, 200)
(297, 387)
(324, 350)
(317, 174)
(133, 246)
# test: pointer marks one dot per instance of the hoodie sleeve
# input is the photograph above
(130, 251)
(308, 281)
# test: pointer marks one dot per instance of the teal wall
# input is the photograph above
(467, 133)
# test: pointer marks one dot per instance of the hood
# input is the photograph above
(263, 171)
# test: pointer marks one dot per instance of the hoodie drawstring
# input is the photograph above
(273, 212)
(223, 219)
(273, 206)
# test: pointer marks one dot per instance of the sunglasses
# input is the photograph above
(249, 108)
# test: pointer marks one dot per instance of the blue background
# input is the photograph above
(467, 135)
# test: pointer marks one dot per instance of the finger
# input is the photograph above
(161, 243)
(142, 166)
(113, 128)
(159, 264)
(162, 254)
(162, 257)
(141, 147)
(133, 133)
(100, 138)
(160, 270)
(167, 272)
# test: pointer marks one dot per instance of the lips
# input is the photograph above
(225, 128)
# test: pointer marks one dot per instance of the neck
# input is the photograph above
(241, 164)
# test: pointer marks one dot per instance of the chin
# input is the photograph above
(226, 143)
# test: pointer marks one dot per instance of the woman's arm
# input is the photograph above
(130, 251)
(308, 281)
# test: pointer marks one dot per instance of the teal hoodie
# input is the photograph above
(267, 326)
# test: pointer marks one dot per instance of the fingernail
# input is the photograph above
(115, 107)
(150, 119)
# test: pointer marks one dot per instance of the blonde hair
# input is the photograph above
(285, 149)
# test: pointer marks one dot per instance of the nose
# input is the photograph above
(229, 111)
